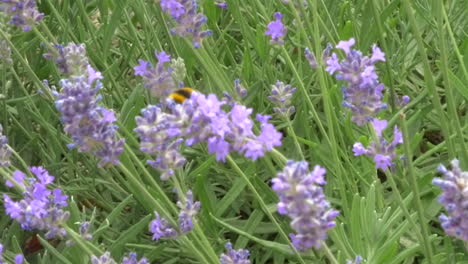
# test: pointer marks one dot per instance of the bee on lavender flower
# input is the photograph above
(179, 96)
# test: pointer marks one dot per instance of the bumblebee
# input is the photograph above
(181, 95)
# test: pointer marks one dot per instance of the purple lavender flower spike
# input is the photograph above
(158, 80)
(5, 152)
(357, 260)
(382, 151)
(281, 95)
(23, 13)
(240, 256)
(104, 259)
(187, 21)
(276, 30)
(188, 211)
(132, 259)
(239, 88)
(454, 199)
(223, 5)
(160, 228)
(310, 58)
(40, 208)
(302, 199)
(18, 258)
(363, 93)
(90, 126)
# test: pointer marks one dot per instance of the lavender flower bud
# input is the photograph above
(179, 72)
(104, 259)
(159, 79)
(240, 256)
(223, 5)
(276, 30)
(160, 228)
(239, 88)
(18, 258)
(40, 208)
(23, 13)
(281, 95)
(357, 260)
(302, 199)
(363, 93)
(188, 211)
(382, 151)
(454, 198)
(5, 53)
(310, 58)
(187, 21)
(5, 152)
(132, 259)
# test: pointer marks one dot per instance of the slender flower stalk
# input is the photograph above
(454, 198)
(23, 13)
(40, 208)
(302, 199)
(381, 151)
(5, 152)
(276, 30)
(363, 93)
(240, 256)
(187, 21)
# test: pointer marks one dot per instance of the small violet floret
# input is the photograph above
(276, 30)
(22, 13)
(240, 256)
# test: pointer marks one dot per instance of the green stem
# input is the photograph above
(264, 207)
(428, 77)
(329, 254)
(448, 87)
(414, 186)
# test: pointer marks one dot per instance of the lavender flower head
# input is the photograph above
(104, 259)
(5, 151)
(382, 151)
(132, 259)
(223, 5)
(281, 95)
(90, 126)
(201, 119)
(363, 93)
(188, 21)
(240, 256)
(70, 59)
(160, 228)
(23, 13)
(40, 208)
(276, 30)
(188, 211)
(310, 58)
(454, 198)
(18, 258)
(357, 260)
(159, 79)
(302, 199)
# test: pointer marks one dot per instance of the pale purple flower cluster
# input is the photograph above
(5, 151)
(40, 208)
(188, 21)
(18, 258)
(158, 80)
(201, 119)
(276, 30)
(107, 259)
(310, 58)
(240, 256)
(5, 52)
(382, 151)
(188, 211)
(363, 93)
(161, 228)
(90, 126)
(302, 199)
(70, 59)
(455, 200)
(23, 13)
(281, 95)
